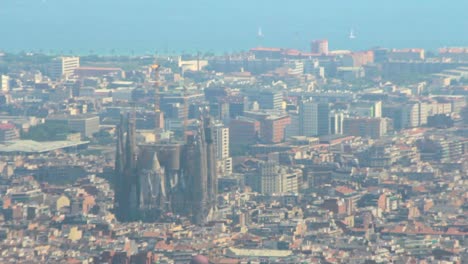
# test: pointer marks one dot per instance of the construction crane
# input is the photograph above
(185, 124)
(159, 118)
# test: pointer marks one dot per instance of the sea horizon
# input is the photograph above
(147, 27)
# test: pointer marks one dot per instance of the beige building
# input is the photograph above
(273, 179)
(4, 83)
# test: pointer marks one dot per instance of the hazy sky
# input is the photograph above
(148, 25)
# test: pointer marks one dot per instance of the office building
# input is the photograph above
(358, 59)
(380, 55)
(295, 67)
(237, 105)
(406, 54)
(244, 131)
(4, 83)
(63, 67)
(8, 132)
(272, 124)
(221, 142)
(269, 99)
(410, 115)
(270, 178)
(314, 118)
(336, 122)
(220, 110)
(366, 109)
(293, 129)
(273, 128)
(319, 47)
(365, 127)
(407, 115)
(86, 125)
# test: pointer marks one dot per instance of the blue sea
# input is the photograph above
(173, 26)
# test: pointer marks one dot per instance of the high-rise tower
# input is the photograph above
(314, 118)
(319, 46)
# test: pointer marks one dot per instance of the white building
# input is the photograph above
(63, 67)
(221, 139)
(277, 179)
(336, 122)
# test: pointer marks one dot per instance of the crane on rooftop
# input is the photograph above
(159, 122)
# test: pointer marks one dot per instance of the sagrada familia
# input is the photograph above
(151, 181)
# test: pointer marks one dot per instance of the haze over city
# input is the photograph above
(144, 26)
(233, 132)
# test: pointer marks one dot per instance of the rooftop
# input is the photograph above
(6, 126)
(30, 146)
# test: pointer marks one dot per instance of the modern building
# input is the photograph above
(237, 105)
(273, 128)
(272, 125)
(293, 129)
(271, 178)
(407, 115)
(295, 67)
(314, 118)
(319, 46)
(63, 67)
(366, 109)
(86, 125)
(442, 148)
(220, 110)
(270, 99)
(410, 115)
(406, 54)
(358, 59)
(336, 122)
(8, 132)
(365, 127)
(221, 142)
(123, 94)
(4, 83)
(380, 55)
(244, 131)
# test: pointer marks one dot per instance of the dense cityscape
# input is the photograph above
(271, 155)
